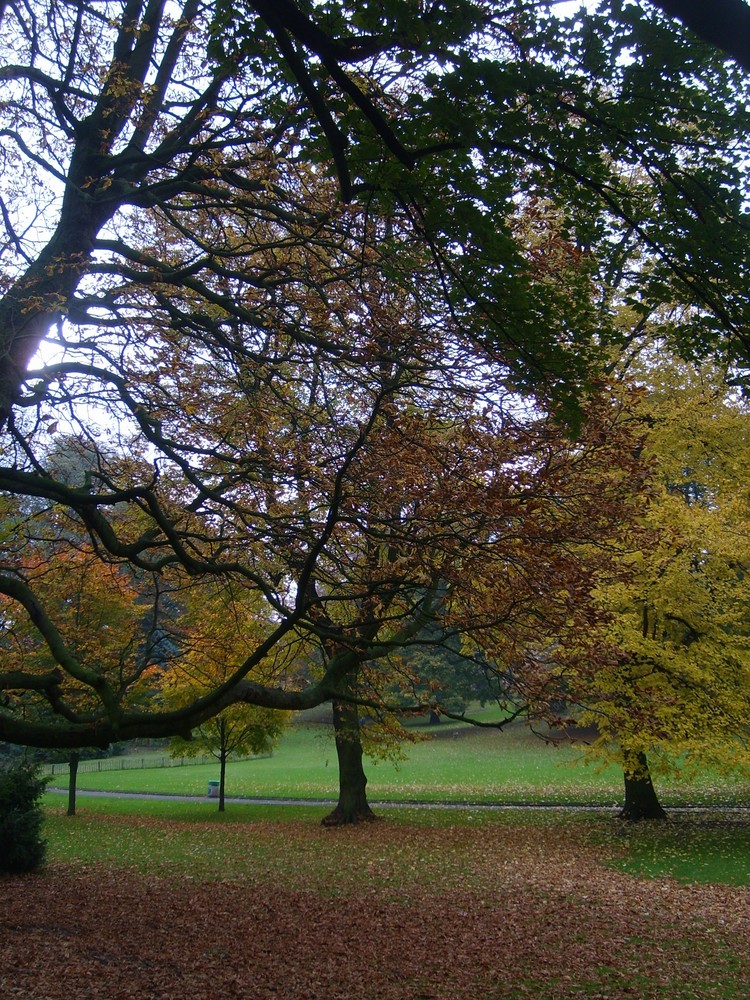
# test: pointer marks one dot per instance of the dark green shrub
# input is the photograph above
(22, 848)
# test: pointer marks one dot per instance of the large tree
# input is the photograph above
(311, 399)
(355, 490)
(677, 692)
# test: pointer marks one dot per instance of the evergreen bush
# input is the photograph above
(22, 848)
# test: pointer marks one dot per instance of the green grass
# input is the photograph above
(480, 766)
(131, 833)
(693, 850)
(161, 836)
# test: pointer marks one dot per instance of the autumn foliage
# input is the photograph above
(328, 329)
(342, 457)
(677, 692)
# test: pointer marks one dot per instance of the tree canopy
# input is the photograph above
(282, 271)
(678, 687)
(137, 110)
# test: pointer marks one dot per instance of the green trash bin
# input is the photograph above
(213, 789)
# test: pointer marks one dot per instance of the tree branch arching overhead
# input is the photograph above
(723, 23)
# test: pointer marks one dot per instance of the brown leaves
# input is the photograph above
(380, 912)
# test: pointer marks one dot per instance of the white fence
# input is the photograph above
(129, 762)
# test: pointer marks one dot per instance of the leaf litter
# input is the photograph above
(382, 911)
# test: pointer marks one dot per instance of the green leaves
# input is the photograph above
(22, 848)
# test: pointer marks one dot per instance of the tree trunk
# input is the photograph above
(72, 780)
(352, 806)
(222, 775)
(641, 801)
(435, 719)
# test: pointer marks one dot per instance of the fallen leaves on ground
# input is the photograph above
(397, 913)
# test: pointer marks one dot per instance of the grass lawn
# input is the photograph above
(479, 766)
(700, 848)
(708, 849)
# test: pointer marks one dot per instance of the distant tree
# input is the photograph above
(101, 633)
(516, 567)
(211, 620)
(437, 678)
(449, 679)
(239, 730)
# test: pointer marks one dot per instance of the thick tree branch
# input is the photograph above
(20, 680)
(722, 23)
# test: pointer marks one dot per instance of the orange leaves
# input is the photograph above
(93, 603)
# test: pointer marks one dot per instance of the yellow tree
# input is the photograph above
(677, 689)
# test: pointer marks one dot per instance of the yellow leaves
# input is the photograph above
(383, 738)
(220, 623)
(680, 686)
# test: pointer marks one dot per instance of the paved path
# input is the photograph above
(390, 804)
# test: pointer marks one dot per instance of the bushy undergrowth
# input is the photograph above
(22, 848)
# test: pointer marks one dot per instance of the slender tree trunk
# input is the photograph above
(641, 801)
(222, 776)
(352, 806)
(72, 781)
